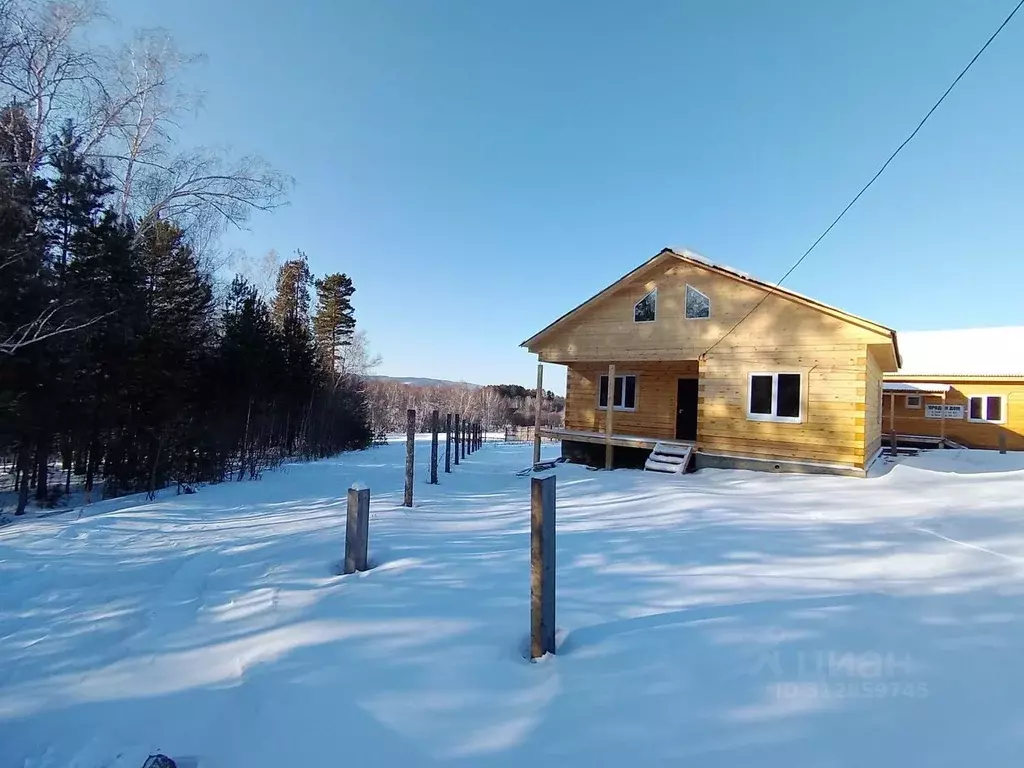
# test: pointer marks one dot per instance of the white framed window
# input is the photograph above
(623, 393)
(646, 310)
(913, 401)
(698, 305)
(775, 397)
(987, 408)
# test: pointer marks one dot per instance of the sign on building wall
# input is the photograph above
(935, 411)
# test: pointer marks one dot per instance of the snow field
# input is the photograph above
(718, 619)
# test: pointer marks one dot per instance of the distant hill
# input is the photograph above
(420, 381)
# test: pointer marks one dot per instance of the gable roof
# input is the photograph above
(966, 352)
(694, 258)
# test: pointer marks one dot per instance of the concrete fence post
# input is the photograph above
(410, 454)
(542, 566)
(455, 440)
(448, 443)
(434, 426)
(357, 528)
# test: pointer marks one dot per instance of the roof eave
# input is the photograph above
(960, 376)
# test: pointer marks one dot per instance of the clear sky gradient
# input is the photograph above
(480, 167)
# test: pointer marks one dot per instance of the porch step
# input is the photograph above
(672, 459)
(652, 465)
(669, 458)
(671, 449)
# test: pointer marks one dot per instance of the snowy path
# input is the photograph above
(720, 619)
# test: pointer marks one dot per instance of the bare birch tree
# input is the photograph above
(47, 325)
(42, 66)
(128, 108)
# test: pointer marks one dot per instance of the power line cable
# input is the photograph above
(873, 179)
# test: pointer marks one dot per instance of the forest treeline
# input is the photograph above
(120, 353)
(494, 406)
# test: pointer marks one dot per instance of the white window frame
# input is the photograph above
(909, 406)
(698, 290)
(799, 419)
(611, 392)
(644, 298)
(984, 409)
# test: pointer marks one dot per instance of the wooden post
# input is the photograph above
(542, 566)
(434, 422)
(1002, 440)
(410, 454)
(463, 441)
(608, 416)
(942, 424)
(357, 529)
(536, 421)
(448, 444)
(455, 439)
(892, 442)
(892, 411)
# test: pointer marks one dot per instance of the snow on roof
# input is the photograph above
(963, 352)
(909, 386)
(692, 254)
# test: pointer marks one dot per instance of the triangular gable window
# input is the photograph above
(698, 306)
(646, 310)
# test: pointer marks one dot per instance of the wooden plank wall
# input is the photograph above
(874, 426)
(973, 434)
(834, 406)
(655, 415)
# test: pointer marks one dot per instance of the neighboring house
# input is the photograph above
(966, 386)
(750, 374)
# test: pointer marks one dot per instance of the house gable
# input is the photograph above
(603, 328)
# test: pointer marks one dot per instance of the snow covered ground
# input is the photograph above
(718, 619)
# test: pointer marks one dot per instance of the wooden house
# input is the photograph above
(682, 351)
(961, 387)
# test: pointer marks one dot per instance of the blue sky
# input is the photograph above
(478, 167)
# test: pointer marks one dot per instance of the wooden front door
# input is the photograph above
(686, 409)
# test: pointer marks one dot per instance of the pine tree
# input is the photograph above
(334, 322)
(174, 343)
(291, 299)
(107, 280)
(75, 196)
(251, 363)
(25, 295)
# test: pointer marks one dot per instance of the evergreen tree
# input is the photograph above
(251, 363)
(108, 279)
(291, 299)
(334, 322)
(24, 296)
(75, 196)
(165, 380)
